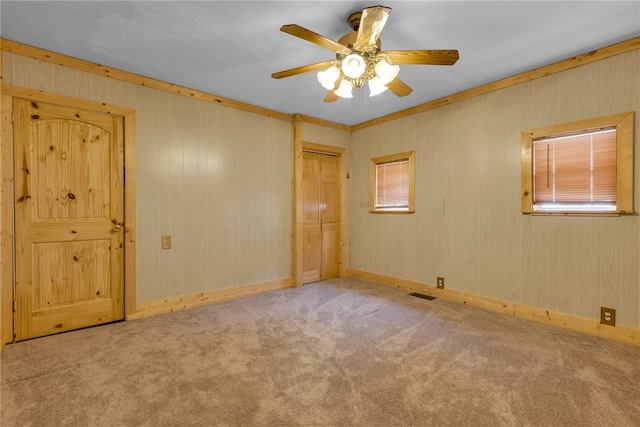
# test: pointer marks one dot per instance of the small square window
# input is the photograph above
(392, 184)
(582, 167)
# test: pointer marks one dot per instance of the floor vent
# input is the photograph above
(423, 296)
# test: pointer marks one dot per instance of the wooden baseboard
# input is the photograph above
(567, 321)
(180, 303)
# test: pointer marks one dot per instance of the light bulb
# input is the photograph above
(353, 66)
(376, 86)
(386, 71)
(344, 91)
(328, 77)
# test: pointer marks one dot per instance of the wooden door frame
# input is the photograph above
(7, 173)
(299, 147)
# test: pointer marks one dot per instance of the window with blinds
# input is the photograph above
(575, 171)
(584, 167)
(392, 183)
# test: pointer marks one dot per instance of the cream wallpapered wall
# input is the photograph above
(325, 135)
(468, 226)
(218, 180)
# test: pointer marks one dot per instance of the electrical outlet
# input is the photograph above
(608, 316)
(166, 242)
(440, 282)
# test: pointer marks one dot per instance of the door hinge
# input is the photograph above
(15, 306)
(13, 117)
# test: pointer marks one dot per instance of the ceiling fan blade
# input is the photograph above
(310, 36)
(399, 88)
(371, 24)
(423, 57)
(303, 69)
(332, 96)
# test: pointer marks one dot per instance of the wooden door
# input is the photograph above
(320, 215)
(69, 195)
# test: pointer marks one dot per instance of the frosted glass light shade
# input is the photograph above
(353, 66)
(386, 71)
(344, 91)
(328, 77)
(376, 86)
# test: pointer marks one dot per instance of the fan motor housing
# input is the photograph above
(349, 40)
(354, 20)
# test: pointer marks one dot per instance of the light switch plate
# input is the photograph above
(166, 242)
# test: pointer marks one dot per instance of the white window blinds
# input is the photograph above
(575, 170)
(392, 185)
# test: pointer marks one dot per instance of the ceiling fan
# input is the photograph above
(359, 57)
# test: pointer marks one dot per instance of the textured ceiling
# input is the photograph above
(230, 49)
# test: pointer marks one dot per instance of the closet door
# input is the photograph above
(320, 227)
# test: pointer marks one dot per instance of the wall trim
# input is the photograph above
(556, 67)
(567, 321)
(56, 98)
(125, 76)
(79, 64)
(128, 77)
(6, 219)
(319, 122)
(169, 305)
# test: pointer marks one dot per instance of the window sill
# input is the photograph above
(581, 213)
(392, 211)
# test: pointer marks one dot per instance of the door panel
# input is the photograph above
(66, 272)
(329, 250)
(311, 268)
(329, 202)
(320, 204)
(69, 216)
(311, 255)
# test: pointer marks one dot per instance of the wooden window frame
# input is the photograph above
(391, 158)
(624, 125)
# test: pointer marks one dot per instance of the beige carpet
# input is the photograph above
(343, 352)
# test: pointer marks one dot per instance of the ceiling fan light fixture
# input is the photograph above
(344, 91)
(376, 86)
(359, 57)
(353, 66)
(328, 77)
(386, 71)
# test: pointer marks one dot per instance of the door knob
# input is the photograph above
(115, 228)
